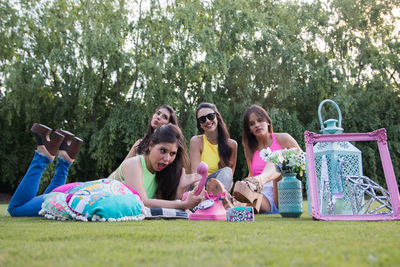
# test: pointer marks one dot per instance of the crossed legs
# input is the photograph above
(24, 201)
(261, 190)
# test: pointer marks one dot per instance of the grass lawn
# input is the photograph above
(270, 240)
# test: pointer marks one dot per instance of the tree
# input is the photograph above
(100, 68)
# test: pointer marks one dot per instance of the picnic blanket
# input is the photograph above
(163, 213)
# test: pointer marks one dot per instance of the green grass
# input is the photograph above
(270, 240)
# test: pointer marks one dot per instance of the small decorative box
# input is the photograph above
(240, 214)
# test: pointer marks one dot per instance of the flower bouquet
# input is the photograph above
(291, 163)
(286, 160)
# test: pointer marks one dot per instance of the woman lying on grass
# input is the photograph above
(159, 171)
(163, 115)
(154, 174)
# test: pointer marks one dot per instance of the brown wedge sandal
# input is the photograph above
(237, 203)
(42, 134)
(243, 193)
(71, 143)
(214, 187)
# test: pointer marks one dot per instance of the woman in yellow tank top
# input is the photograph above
(214, 146)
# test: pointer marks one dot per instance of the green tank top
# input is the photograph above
(149, 179)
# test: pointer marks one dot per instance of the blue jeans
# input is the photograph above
(24, 201)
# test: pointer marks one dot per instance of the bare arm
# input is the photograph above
(285, 140)
(133, 150)
(185, 181)
(131, 154)
(189, 203)
(233, 159)
(195, 149)
(133, 173)
(248, 160)
(269, 172)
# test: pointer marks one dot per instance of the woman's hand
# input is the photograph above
(192, 200)
(185, 181)
(188, 179)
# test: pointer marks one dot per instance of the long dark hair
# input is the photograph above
(249, 140)
(141, 148)
(224, 150)
(168, 178)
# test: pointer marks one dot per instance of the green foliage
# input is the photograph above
(101, 68)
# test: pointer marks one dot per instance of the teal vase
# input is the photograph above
(290, 196)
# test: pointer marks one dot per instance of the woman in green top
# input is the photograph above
(156, 175)
(162, 115)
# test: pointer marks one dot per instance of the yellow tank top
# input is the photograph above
(210, 155)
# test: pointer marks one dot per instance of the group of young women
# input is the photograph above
(156, 165)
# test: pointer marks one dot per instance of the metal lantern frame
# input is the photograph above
(381, 138)
(334, 161)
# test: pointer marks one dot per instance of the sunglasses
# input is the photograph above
(209, 116)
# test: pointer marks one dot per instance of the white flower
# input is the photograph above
(264, 153)
(274, 157)
(287, 160)
(281, 158)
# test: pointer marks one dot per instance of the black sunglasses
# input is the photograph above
(209, 116)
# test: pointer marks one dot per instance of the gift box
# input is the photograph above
(240, 214)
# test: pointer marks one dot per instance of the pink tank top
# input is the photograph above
(257, 164)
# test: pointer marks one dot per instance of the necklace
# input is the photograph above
(213, 138)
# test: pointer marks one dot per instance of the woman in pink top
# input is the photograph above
(260, 187)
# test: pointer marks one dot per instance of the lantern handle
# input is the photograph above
(320, 109)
